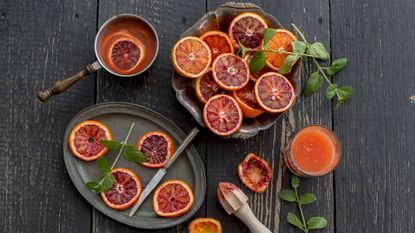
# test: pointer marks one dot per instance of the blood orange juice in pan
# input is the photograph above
(314, 151)
(126, 45)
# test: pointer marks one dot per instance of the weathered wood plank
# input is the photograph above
(375, 181)
(152, 89)
(41, 41)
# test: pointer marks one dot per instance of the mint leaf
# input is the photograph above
(258, 61)
(343, 94)
(92, 185)
(268, 34)
(107, 183)
(288, 64)
(331, 91)
(295, 182)
(242, 49)
(319, 51)
(294, 220)
(336, 66)
(287, 195)
(313, 83)
(307, 198)
(103, 165)
(299, 46)
(316, 223)
(132, 154)
(112, 145)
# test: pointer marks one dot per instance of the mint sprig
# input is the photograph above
(289, 195)
(131, 153)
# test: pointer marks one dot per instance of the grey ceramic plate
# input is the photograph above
(118, 117)
(220, 20)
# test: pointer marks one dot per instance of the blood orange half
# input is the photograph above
(191, 57)
(274, 92)
(222, 115)
(280, 41)
(84, 140)
(218, 43)
(126, 54)
(255, 173)
(206, 87)
(230, 71)
(247, 28)
(205, 225)
(246, 100)
(125, 190)
(157, 147)
(173, 198)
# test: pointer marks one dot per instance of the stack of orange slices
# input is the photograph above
(223, 81)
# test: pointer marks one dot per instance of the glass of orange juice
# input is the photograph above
(314, 151)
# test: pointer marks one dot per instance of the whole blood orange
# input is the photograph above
(84, 140)
(246, 100)
(125, 190)
(205, 225)
(218, 43)
(230, 72)
(247, 28)
(125, 54)
(173, 198)
(255, 173)
(206, 87)
(280, 41)
(274, 92)
(157, 147)
(222, 115)
(191, 57)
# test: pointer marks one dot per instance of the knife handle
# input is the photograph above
(245, 215)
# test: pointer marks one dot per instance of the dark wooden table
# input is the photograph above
(371, 191)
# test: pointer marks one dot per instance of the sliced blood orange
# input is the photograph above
(126, 53)
(125, 190)
(222, 115)
(254, 76)
(173, 198)
(274, 92)
(246, 100)
(205, 225)
(218, 43)
(157, 147)
(247, 28)
(191, 57)
(255, 173)
(280, 41)
(230, 71)
(206, 87)
(84, 140)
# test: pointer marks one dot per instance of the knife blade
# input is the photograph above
(162, 172)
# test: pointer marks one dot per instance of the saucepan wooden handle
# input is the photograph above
(64, 84)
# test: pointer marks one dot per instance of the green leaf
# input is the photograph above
(268, 34)
(316, 223)
(331, 91)
(307, 198)
(242, 49)
(313, 83)
(112, 145)
(295, 181)
(258, 61)
(343, 94)
(336, 66)
(287, 195)
(103, 166)
(288, 64)
(107, 183)
(319, 51)
(294, 220)
(92, 185)
(132, 154)
(299, 46)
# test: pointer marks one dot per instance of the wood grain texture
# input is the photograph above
(41, 41)
(153, 88)
(376, 179)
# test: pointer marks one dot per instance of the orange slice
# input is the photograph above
(173, 198)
